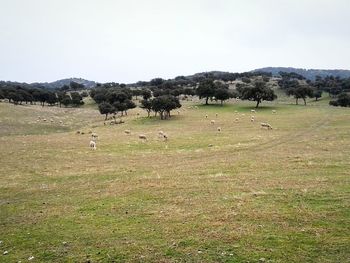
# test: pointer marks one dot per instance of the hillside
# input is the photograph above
(307, 73)
(62, 82)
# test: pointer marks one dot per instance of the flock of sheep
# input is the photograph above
(252, 119)
(39, 119)
(162, 135)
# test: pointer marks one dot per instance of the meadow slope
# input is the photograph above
(244, 194)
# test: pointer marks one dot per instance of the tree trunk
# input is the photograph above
(222, 102)
(106, 116)
(304, 101)
(206, 101)
(257, 104)
(296, 101)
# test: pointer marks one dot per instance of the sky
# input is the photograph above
(130, 40)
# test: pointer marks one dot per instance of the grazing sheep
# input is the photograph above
(165, 137)
(143, 137)
(127, 131)
(160, 133)
(212, 121)
(273, 111)
(266, 125)
(252, 111)
(206, 116)
(219, 129)
(94, 136)
(216, 115)
(51, 120)
(78, 132)
(61, 122)
(252, 119)
(236, 120)
(93, 145)
(236, 111)
(44, 119)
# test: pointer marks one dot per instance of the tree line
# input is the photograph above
(22, 93)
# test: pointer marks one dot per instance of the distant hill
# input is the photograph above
(62, 82)
(307, 73)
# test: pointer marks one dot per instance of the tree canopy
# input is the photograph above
(257, 92)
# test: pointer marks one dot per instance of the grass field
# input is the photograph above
(253, 196)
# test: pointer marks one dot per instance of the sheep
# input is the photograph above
(93, 145)
(160, 133)
(51, 120)
(61, 122)
(216, 115)
(138, 114)
(178, 112)
(236, 111)
(273, 111)
(252, 111)
(206, 116)
(212, 121)
(78, 132)
(219, 129)
(44, 119)
(143, 137)
(236, 120)
(252, 119)
(127, 131)
(94, 136)
(266, 125)
(165, 137)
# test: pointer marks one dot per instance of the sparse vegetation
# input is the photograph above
(199, 193)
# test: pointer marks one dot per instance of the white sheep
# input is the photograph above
(219, 129)
(236, 120)
(94, 136)
(266, 125)
(206, 116)
(143, 137)
(252, 111)
(216, 115)
(212, 121)
(93, 145)
(252, 119)
(127, 131)
(165, 137)
(273, 111)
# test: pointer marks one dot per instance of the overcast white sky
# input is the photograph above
(131, 40)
